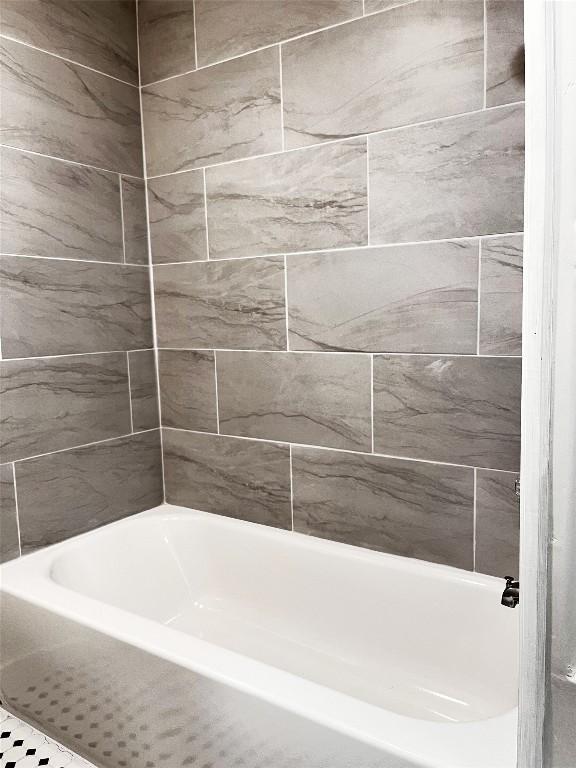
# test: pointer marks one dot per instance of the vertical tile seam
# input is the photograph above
(17, 509)
(206, 213)
(130, 392)
(368, 190)
(485, 41)
(474, 515)
(282, 139)
(195, 36)
(291, 488)
(286, 303)
(372, 401)
(217, 403)
(122, 217)
(478, 297)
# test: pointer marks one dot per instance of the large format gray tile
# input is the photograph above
(235, 304)
(70, 492)
(177, 218)
(299, 398)
(221, 113)
(188, 390)
(166, 34)
(371, 6)
(57, 108)
(377, 72)
(97, 33)
(52, 208)
(143, 389)
(230, 27)
(463, 410)
(52, 307)
(449, 178)
(497, 524)
(9, 539)
(401, 507)
(244, 479)
(134, 219)
(504, 51)
(297, 201)
(408, 298)
(59, 402)
(501, 296)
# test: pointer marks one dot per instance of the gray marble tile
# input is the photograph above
(177, 218)
(143, 389)
(221, 113)
(71, 492)
(60, 402)
(52, 307)
(53, 208)
(376, 73)
(97, 33)
(501, 296)
(134, 218)
(463, 410)
(449, 178)
(244, 479)
(166, 33)
(290, 202)
(504, 51)
(298, 398)
(188, 390)
(57, 108)
(235, 304)
(230, 27)
(497, 524)
(401, 507)
(372, 6)
(9, 540)
(407, 298)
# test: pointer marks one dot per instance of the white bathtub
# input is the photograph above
(414, 663)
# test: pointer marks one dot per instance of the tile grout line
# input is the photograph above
(282, 138)
(195, 36)
(64, 258)
(478, 297)
(485, 42)
(205, 215)
(372, 399)
(475, 486)
(342, 352)
(368, 239)
(217, 403)
(76, 354)
(291, 486)
(70, 162)
(122, 219)
(286, 304)
(130, 392)
(17, 508)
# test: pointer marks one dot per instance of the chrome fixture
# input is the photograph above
(511, 595)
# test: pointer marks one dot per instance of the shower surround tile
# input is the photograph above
(297, 201)
(501, 296)
(244, 479)
(221, 113)
(51, 208)
(497, 524)
(410, 298)
(301, 398)
(230, 27)
(9, 540)
(177, 218)
(188, 390)
(134, 218)
(71, 492)
(143, 389)
(386, 76)
(462, 410)
(54, 403)
(371, 6)
(449, 178)
(167, 38)
(402, 507)
(52, 307)
(229, 304)
(504, 51)
(60, 109)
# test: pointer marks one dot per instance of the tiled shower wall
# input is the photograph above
(335, 206)
(79, 422)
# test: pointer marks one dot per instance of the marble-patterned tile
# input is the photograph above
(372, 6)
(407, 298)
(449, 178)
(9, 539)
(143, 389)
(296, 397)
(59, 402)
(497, 524)
(71, 492)
(57, 108)
(97, 33)
(216, 114)
(177, 218)
(376, 73)
(244, 479)
(53, 208)
(291, 202)
(462, 410)
(501, 296)
(235, 304)
(167, 38)
(231, 27)
(53, 307)
(400, 507)
(188, 390)
(504, 51)
(134, 219)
